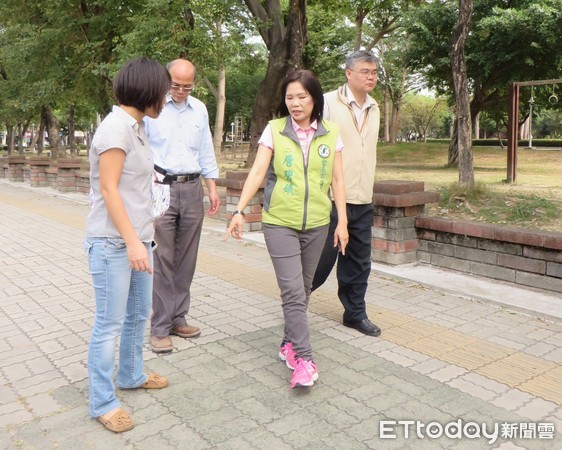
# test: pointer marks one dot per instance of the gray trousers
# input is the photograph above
(177, 234)
(295, 256)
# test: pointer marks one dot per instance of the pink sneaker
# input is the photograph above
(305, 374)
(287, 354)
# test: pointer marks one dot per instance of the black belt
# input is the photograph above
(178, 178)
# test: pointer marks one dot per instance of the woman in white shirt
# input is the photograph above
(300, 159)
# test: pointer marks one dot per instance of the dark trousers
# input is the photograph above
(355, 266)
(177, 234)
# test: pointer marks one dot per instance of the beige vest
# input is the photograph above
(360, 146)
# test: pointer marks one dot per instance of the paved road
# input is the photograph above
(442, 359)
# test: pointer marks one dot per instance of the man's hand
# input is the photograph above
(214, 201)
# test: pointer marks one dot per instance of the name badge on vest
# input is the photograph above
(324, 151)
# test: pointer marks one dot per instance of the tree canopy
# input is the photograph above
(58, 58)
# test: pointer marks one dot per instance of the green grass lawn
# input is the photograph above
(535, 200)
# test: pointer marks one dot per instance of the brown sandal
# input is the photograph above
(118, 422)
(155, 381)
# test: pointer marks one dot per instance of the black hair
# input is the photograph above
(311, 85)
(141, 83)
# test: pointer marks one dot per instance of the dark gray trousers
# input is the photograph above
(295, 255)
(177, 234)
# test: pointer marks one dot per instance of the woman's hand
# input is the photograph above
(341, 236)
(235, 228)
(138, 257)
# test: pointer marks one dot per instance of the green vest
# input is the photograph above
(295, 194)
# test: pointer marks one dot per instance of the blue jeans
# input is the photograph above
(123, 303)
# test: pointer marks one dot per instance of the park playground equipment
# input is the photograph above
(513, 120)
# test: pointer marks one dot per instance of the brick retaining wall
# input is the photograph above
(517, 255)
(234, 182)
(82, 181)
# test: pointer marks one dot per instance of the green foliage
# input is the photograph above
(423, 115)
(552, 143)
(548, 123)
(330, 40)
(510, 41)
(67, 51)
(452, 194)
(526, 208)
(241, 85)
(57, 52)
(159, 32)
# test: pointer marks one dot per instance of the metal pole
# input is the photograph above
(531, 102)
(512, 132)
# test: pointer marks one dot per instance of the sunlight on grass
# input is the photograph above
(535, 200)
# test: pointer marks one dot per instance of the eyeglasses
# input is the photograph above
(181, 88)
(365, 73)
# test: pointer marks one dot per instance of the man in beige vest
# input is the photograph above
(358, 116)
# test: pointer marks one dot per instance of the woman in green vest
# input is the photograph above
(299, 157)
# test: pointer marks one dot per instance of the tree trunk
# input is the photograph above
(453, 153)
(460, 81)
(286, 47)
(52, 127)
(394, 122)
(476, 125)
(20, 138)
(71, 137)
(10, 138)
(41, 138)
(34, 137)
(221, 106)
(386, 113)
(359, 18)
(266, 99)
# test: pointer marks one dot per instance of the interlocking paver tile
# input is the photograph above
(465, 357)
(262, 438)
(537, 409)
(398, 335)
(540, 350)
(391, 355)
(555, 355)
(516, 368)
(512, 399)
(43, 404)
(342, 440)
(545, 387)
(484, 382)
(472, 389)
(429, 366)
(228, 389)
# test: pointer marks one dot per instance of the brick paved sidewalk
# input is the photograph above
(441, 358)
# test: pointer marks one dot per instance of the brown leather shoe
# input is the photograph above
(161, 344)
(186, 331)
(155, 381)
(118, 422)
